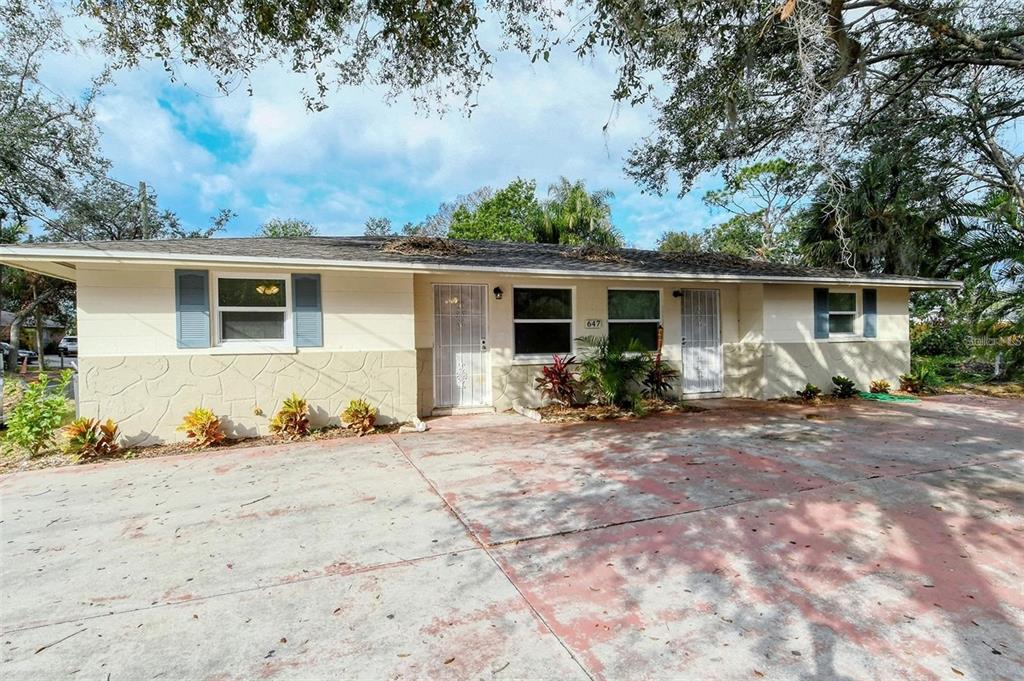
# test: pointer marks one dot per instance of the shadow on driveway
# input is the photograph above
(752, 540)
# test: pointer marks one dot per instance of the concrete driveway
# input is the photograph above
(749, 541)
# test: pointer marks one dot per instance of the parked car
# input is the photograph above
(32, 356)
(68, 346)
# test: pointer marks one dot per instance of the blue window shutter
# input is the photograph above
(192, 307)
(307, 311)
(821, 313)
(870, 313)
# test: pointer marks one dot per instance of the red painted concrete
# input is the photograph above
(754, 540)
(864, 542)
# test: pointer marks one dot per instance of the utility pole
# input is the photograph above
(143, 211)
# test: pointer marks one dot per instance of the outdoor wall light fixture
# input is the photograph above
(498, 293)
(678, 293)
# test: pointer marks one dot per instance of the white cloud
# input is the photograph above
(364, 156)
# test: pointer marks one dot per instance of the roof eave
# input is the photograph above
(30, 259)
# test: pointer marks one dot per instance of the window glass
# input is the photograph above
(542, 320)
(543, 339)
(251, 292)
(251, 309)
(842, 302)
(840, 323)
(251, 325)
(633, 305)
(543, 303)
(842, 311)
(621, 334)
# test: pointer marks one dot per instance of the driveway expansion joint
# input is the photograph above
(402, 562)
(484, 546)
(739, 502)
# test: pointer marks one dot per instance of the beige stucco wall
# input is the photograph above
(131, 369)
(130, 311)
(512, 379)
(767, 330)
(789, 313)
(744, 359)
(378, 338)
(793, 357)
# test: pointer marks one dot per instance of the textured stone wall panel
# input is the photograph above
(148, 396)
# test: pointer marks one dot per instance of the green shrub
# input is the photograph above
(940, 338)
(610, 373)
(202, 427)
(844, 387)
(35, 419)
(921, 379)
(639, 408)
(90, 439)
(880, 386)
(810, 393)
(292, 420)
(659, 379)
(360, 417)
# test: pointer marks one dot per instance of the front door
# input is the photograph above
(702, 341)
(461, 366)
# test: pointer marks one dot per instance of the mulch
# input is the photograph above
(1011, 391)
(555, 413)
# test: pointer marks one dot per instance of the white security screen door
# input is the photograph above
(702, 341)
(460, 346)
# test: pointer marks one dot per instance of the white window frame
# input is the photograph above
(543, 358)
(661, 309)
(286, 342)
(855, 313)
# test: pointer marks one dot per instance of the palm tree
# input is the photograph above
(994, 247)
(572, 215)
(891, 218)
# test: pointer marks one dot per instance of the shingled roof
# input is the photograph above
(379, 252)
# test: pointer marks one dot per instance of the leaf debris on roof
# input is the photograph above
(594, 253)
(424, 245)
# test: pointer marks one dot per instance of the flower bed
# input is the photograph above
(11, 461)
(555, 413)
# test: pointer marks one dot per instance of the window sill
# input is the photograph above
(852, 338)
(253, 349)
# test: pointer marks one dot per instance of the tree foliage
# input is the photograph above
(431, 50)
(680, 242)
(378, 226)
(740, 77)
(49, 145)
(27, 294)
(897, 219)
(281, 228)
(108, 210)
(439, 224)
(508, 214)
(764, 200)
(573, 215)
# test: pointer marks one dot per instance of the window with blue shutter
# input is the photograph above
(192, 307)
(870, 313)
(307, 312)
(821, 313)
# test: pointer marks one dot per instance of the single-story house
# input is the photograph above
(237, 325)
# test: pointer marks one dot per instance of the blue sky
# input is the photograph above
(266, 156)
